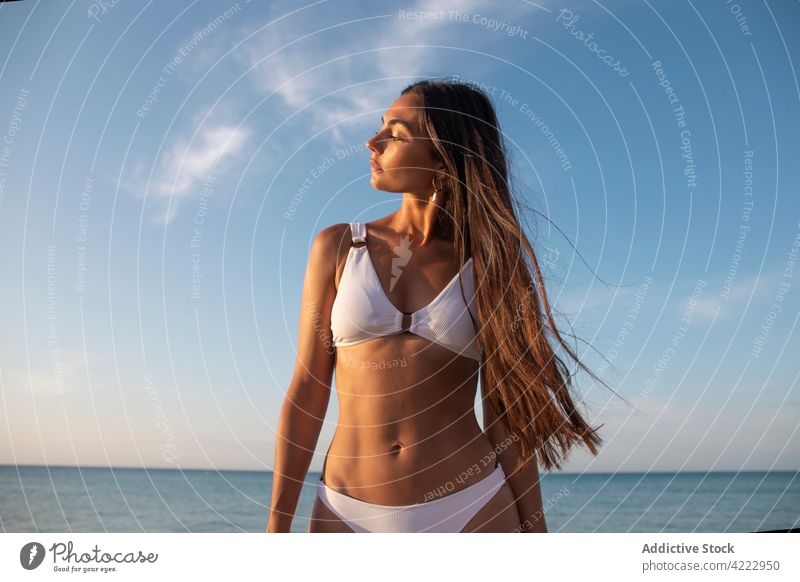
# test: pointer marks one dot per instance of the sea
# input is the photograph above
(81, 499)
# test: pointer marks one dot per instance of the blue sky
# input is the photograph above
(165, 166)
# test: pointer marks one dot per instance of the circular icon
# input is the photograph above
(31, 555)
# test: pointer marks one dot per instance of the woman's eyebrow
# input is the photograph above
(400, 121)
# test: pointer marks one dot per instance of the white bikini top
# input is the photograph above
(362, 311)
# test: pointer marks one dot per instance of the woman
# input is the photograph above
(409, 310)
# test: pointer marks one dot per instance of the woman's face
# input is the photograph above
(406, 159)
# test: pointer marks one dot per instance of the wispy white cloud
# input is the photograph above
(284, 59)
(732, 304)
(186, 164)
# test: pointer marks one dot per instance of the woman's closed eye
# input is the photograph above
(394, 137)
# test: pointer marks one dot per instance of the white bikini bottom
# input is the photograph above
(450, 513)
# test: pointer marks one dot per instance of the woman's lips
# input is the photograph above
(375, 167)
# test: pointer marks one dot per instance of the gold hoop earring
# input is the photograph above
(435, 190)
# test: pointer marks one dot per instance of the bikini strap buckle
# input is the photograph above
(359, 232)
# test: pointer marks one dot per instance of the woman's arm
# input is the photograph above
(525, 482)
(303, 410)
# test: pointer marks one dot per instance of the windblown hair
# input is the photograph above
(526, 383)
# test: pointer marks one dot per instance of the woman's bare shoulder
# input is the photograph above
(329, 250)
(330, 240)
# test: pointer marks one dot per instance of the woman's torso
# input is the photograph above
(407, 430)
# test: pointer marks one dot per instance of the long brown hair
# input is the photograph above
(526, 383)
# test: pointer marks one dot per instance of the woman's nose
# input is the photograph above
(373, 143)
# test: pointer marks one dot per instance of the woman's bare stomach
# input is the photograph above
(407, 430)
